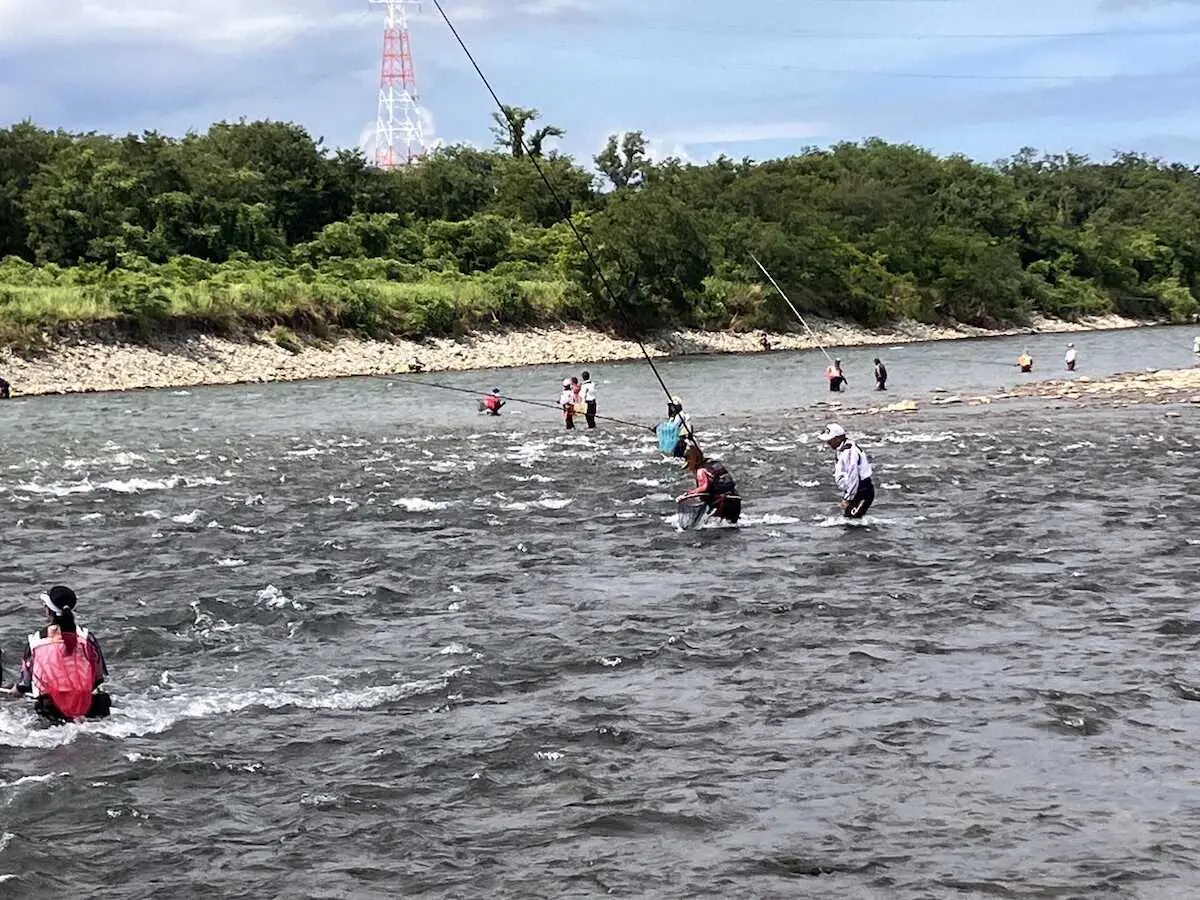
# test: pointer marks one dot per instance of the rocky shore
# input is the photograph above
(1167, 387)
(87, 366)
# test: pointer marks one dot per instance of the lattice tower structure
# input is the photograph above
(399, 134)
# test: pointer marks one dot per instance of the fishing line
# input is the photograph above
(973, 362)
(976, 362)
(543, 403)
(791, 307)
(565, 210)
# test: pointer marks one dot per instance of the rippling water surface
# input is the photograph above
(367, 644)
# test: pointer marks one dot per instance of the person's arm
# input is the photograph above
(24, 684)
(703, 483)
(102, 672)
(845, 473)
(701, 488)
(850, 474)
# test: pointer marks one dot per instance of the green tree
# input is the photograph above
(623, 163)
(511, 131)
(24, 149)
(653, 258)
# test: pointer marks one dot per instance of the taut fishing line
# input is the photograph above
(565, 211)
(542, 403)
(795, 311)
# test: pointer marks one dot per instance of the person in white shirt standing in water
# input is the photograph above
(1070, 357)
(852, 472)
(566, 400)
(589, 397)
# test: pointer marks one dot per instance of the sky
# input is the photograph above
(757, 78)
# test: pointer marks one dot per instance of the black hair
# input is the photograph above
(64, 598)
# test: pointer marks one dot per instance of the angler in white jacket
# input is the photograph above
(852, 472)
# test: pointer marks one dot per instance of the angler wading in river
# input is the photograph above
(852, 472)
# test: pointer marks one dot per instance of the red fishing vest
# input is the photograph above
(68, 679)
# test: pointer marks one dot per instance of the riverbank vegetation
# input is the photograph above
(255, 225)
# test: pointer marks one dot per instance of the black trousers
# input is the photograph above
(590, 415)
(861, 501)
(728, 507)
(101, 707)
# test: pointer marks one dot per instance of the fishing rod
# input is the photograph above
(541, 403)
(795, 311)
(564, 212)
(973, 362)
(791, 307)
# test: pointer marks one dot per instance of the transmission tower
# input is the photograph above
(399, 136)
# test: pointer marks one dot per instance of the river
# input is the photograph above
(366, 643)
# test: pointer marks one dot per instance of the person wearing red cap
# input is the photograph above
(63, 665)
(852, 472)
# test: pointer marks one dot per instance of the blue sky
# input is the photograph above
(759, 78)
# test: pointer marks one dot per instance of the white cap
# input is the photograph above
(676, 401)
(831, 431)
(566, 382)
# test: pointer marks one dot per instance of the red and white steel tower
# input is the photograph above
(399, 136)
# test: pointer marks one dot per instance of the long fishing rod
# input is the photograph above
(565, 211)
(791, 307)
(542, 403)
(818, 341)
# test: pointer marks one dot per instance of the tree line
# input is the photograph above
(868, 231)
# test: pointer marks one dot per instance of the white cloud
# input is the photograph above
(235, 25)
(217, 25)
(658, 151)
(367, 135)
(555, 9)
(749, 132)
(491, 10)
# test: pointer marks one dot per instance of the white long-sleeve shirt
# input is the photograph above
(589, 392)
(851, 468)
(1071, 354)
(566, 398)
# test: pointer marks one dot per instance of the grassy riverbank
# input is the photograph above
(41, 306)
(256, 226)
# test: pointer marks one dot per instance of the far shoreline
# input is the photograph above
(198, 360)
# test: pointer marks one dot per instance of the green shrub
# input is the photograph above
(286, 338)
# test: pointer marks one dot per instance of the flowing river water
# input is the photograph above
(366, 643)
